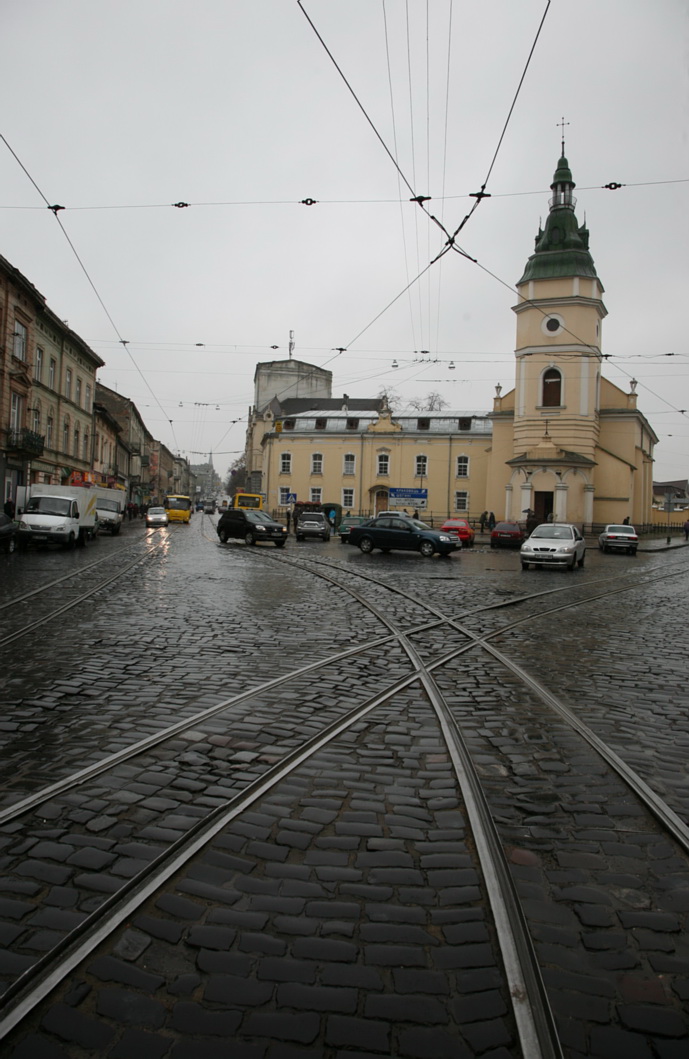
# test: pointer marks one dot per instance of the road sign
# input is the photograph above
(291, 498)
(402, 497)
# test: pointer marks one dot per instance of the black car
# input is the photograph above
(251, 526)
(8, 534)
(389, 532)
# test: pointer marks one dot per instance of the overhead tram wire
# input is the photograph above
(54, 210)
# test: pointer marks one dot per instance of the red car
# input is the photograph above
(459, 528)
(507, 535)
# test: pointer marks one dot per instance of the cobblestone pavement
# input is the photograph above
(344, 912)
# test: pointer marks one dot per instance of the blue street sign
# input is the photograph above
(291, 498)
(408, 495)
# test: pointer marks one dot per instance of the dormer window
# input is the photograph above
(423, 424)
(352, 424)
(321, 424)
(288, 424)
(464, 423)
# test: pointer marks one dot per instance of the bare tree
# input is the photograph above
(432, 402)
(390, 396)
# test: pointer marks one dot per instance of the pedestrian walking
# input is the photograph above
(491, 522)
(483, 519)
(686, 530)
(416, 514)
(9, 507)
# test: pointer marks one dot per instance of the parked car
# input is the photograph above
(250, 526)
(619, 538)
(312, 524)
(346, 524)
(156, 516)
(507, 535)
(8, 533)
(389, 532)
(460, 528)
(554, 544)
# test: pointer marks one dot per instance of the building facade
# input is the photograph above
(47, 389)
(564, 443)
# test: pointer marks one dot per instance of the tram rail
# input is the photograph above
(536, 1027)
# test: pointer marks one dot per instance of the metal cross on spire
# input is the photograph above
(563, 123)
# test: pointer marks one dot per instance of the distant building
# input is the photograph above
(563, 443)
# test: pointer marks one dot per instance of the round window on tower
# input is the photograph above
(552, 324)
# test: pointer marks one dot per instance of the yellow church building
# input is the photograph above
(565, 442)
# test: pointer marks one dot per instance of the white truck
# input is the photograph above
(110, 509)
(58, 514)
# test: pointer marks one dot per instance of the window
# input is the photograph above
(68, 383)
(383, 464)
(317, 463)
(321, 424)
(75, 450)
(462, 466)
(423, 424)
(86, 455)
(51, 373)
(285, 463)
(284, 496)
(348, 498)
(288, 424)
(461, 501)
(16, 412)
(38, 364)
(20, 343)
(316, 496)
(349, 463)
(65, 436)
(77, 395)
(36, 420)
(352, 424)
(421, 466)
(87, 405)
(49, 432)
(464, 423)
(552, 388)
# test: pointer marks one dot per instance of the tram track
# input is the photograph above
(421, 672)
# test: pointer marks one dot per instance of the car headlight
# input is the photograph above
(443, 537)
(261, 529)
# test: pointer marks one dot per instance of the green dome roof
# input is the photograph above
(562, 248)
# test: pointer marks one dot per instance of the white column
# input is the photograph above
(589, 491)
(560, 498)
(508, 502)
(526, 500)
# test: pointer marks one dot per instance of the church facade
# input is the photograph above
(564, 443)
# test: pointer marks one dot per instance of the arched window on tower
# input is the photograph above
(551, 384)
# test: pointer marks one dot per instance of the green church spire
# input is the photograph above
(562, 248)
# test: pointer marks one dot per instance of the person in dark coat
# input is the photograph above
(9, 507)
(491, 522)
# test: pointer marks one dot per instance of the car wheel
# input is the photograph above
(493, 545)
(11, 546)
(426, 548)
(581, 561)
(70, 542)
(632, 551)
(279, 544)
(249, 538)
(366, 545)
(525, 566)
(299, 536)
(570, 566)
(223, 536)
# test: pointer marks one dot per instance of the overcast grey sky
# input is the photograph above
(119, 108)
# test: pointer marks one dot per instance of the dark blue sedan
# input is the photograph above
(389, 533)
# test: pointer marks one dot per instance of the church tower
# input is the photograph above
(558, 360)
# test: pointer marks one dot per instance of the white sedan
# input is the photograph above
(619, 538)
(554, 544)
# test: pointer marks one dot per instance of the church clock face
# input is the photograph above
(552, 324)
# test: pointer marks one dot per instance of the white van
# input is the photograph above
(57, 514)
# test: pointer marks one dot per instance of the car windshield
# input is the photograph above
(558, 533)
(107, 505)
(156, 510)
(620, 529)
(257, 516)
(49, 505)
(503, 526)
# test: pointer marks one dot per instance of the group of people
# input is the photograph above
(487, 520)
(136, 510)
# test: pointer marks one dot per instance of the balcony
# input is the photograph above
(25, 442)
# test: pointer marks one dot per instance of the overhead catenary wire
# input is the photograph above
(122, 341)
